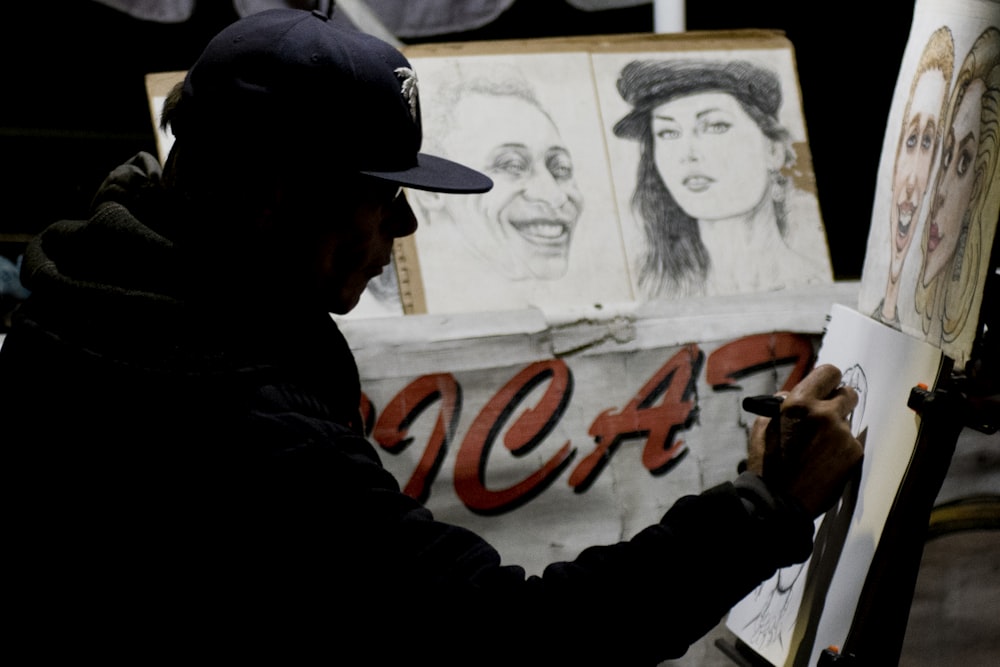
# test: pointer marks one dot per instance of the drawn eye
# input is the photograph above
(717, 127)
(911, 140)
(948, 153)
(560, 166)
(927, 140)
(964, 161)
(511, 163)
(668, 133)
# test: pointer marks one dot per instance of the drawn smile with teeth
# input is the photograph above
(905, 211)
(541, 230)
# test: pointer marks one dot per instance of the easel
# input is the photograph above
(879, 626)
(970, 399)
(880, 619)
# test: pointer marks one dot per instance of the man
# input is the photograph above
(186, 464)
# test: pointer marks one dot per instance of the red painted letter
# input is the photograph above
(761, 352)
(674, 383)
(523, 435)
(391, 430)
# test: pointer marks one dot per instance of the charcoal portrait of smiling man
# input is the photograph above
(517, 245)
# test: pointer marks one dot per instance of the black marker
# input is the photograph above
(765, 405)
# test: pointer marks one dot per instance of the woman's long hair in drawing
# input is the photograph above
(676, 259)
(956, 286)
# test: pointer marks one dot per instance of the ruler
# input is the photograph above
(411, 287)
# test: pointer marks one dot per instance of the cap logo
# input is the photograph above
(408, 80)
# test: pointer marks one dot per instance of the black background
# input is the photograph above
(74, 102)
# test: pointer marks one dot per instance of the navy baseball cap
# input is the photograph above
(308, 78)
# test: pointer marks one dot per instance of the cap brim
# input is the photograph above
(437, 174)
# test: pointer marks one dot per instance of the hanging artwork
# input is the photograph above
(938, 192)
(628, 169)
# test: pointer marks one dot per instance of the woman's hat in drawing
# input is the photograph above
(302, 77)
(646, 84)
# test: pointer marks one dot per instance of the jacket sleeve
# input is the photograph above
(441, 590)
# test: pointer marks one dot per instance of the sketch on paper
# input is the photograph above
(958, 237)
(916, 152)
(937, 295)
(710, 150)
(546, 235)
(804, 608)
(777, 603)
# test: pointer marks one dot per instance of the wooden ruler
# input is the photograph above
(411, 287)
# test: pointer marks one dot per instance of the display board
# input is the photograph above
(595, 203)
(626, 169)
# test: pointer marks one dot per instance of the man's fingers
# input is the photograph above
(845, 399)
(819, 383)
(824, 384)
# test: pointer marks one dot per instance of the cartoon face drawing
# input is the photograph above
(524, 226)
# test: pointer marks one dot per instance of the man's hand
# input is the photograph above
(808, 452)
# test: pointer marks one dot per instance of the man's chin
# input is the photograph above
(343, 303)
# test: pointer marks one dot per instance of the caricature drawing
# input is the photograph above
(916, 153)
(962, 220)
(523, 228)
(790, 604)
(547, 235)
(775, 619)
(718, 211)
(831, 535)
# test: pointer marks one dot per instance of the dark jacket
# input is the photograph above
(189, 478)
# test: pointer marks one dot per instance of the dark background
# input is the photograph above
(74, 101)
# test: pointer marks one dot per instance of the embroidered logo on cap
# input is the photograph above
(408, 79)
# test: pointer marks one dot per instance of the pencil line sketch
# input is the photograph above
(958, 236)
(831, 535)
(920, 131)
(527, 242)
(789, 605)
(882, 364)
(523, 228)
(777, 604)
(718, 210)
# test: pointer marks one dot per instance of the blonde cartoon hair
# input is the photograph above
(953, 289)
(938, 55)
